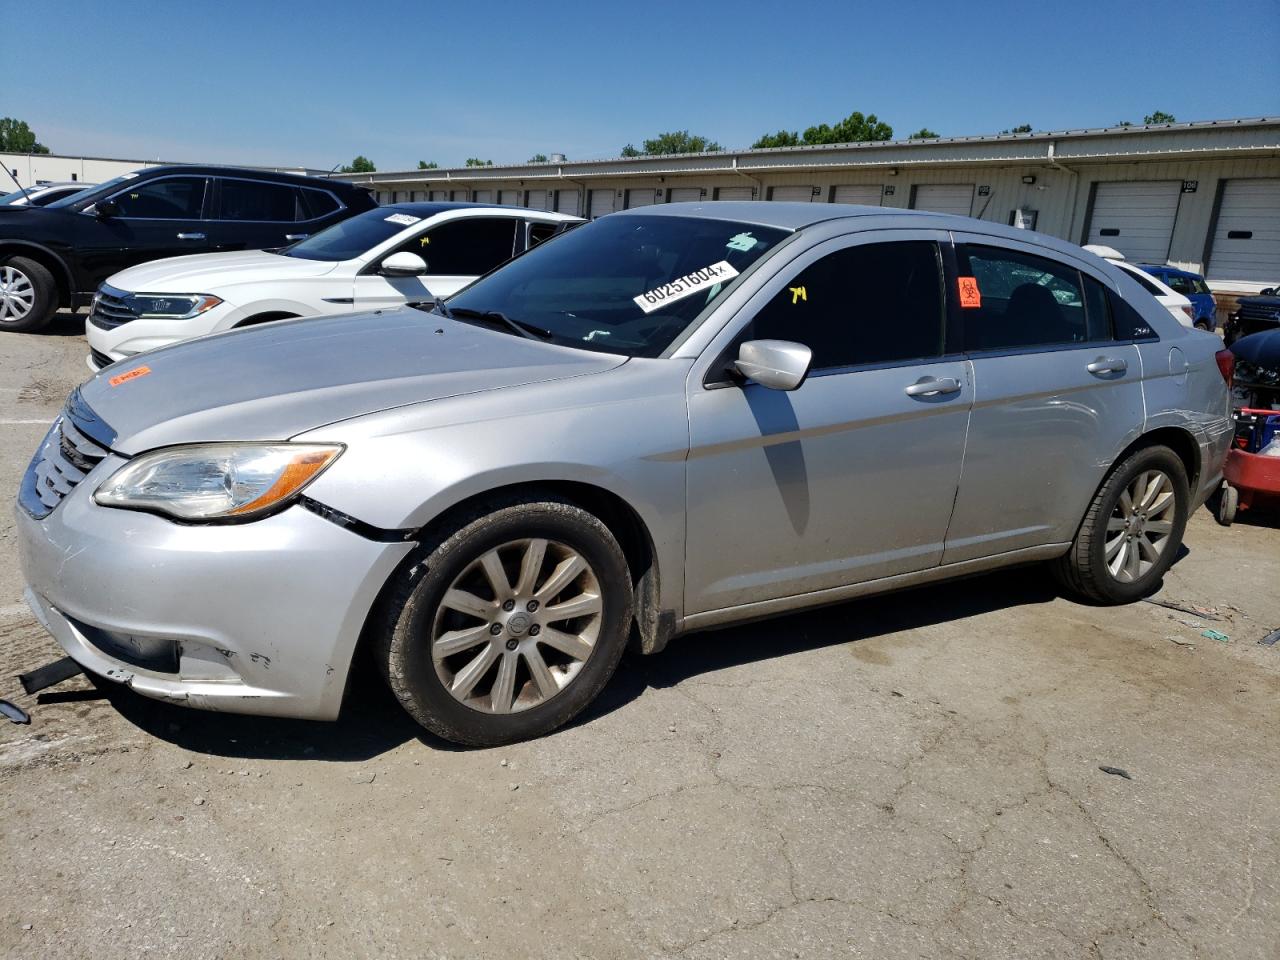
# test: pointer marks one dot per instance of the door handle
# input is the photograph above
(1108, 365)
(933, 387)
(296, 236)
(191, 236)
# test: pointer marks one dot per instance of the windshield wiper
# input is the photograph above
(527, 330)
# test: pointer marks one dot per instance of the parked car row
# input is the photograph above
(668, 419)
(43, 194)
(58, 255)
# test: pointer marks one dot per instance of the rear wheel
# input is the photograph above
(517, 623)
(28, 295)
(1131, 531)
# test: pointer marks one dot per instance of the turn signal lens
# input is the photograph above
(1226, 365)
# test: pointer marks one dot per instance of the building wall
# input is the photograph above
(31, 169)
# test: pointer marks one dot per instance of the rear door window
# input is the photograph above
(172, 198)
(318, 203)
(468, 247)
(258, 202)
(1010, 300)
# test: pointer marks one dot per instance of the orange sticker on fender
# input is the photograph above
(133, 374)
(970, 295)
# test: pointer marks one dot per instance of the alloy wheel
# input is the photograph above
(517, 625)
(1139, 527)
(17, 295)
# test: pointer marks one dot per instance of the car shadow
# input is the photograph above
(372, 721)
(64, 323)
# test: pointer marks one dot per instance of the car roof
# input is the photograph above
(201, 169)
(1176, 271)
(797, 216)
(429, 208)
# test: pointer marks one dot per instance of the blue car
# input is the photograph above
(1192, 286)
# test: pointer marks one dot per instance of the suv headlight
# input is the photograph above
(216, 481)
(176, 306)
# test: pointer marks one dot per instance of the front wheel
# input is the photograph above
(28, 295)
(1131, 531)
(518, 621)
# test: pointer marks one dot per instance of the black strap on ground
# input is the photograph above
(49, 675)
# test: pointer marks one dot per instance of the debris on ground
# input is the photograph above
(1207, 613)
(1215, 635)
(49, 675)
(363, 777)
(1181, 642)
(1270, 639)
(14, 712)
(1116, 772)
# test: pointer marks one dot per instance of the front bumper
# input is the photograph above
(260, 617)
(150, 333)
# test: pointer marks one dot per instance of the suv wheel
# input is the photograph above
(1131, 531)
(511, 626)
(28, 295)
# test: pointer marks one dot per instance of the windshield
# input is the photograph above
(622, 284)
(353, 237)
(94, 193)
(9, 198)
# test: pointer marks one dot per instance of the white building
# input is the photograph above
(1203, 196)
(32, 169)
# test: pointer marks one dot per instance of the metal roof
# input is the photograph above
(1140, 141)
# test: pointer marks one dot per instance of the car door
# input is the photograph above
(455, 250)
(851, 476)
(153, 219)
(1056, 395)
(257, 214)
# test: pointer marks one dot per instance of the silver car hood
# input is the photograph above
(278, 380)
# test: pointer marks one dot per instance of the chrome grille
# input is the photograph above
(111, 309)
(64, 459)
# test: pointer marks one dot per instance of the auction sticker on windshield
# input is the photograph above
(687, 285)
(404, 219)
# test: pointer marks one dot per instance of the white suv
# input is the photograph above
(382, 258)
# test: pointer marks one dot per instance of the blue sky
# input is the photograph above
(314, 83)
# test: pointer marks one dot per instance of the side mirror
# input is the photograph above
(403, 264)
(106, 209)
(776, 364)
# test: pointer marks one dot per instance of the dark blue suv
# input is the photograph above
(1192, 286)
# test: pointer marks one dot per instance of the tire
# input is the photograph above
(1204, 325)
(461, 695)
(28, 295)
(1086, 570)
(1228, 502)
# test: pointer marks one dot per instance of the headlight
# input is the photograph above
(216, 481)
(178, 306)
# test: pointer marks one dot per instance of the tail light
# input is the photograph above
(1190, 312)
(1226, 364)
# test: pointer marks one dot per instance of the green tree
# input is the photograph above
(361, 164)
(424, 165)
(477, 162)
(1159, 117)
(783, 138)
(538, 158)
(1021, 128)
(1125, 123)
(855, 128)
(17, 137)
(924, 133)
(675, 141)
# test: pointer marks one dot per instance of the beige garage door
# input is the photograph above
(641, 198)
(601, 202)
(484, 196)
(867, 194)
(440, 195)
(792, 194)
(953, 198)
(733, 193)
(567, 201)
(509, 198)
(537, 200)
(1135, 217)
(1246, 238)
(685, 194)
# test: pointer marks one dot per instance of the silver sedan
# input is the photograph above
(668, 419)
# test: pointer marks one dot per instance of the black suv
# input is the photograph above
(1253, 315)
(56, 256)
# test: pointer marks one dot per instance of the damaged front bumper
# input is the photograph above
(258, 618)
